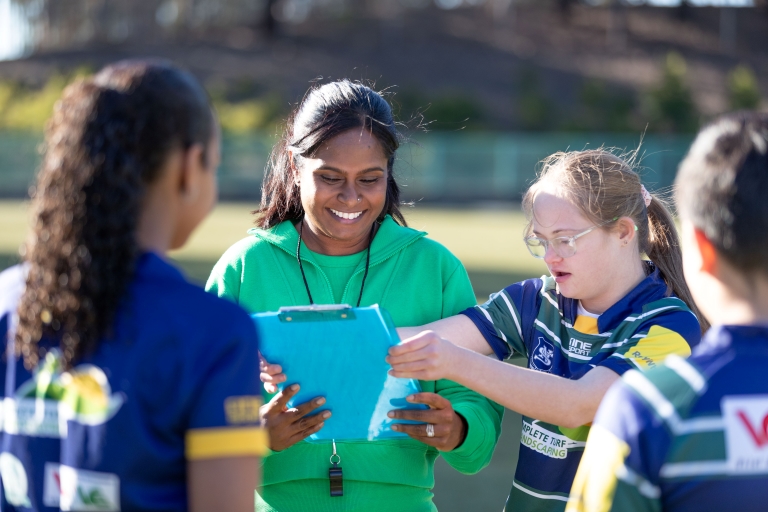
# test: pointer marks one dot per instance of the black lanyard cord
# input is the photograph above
(365, 274)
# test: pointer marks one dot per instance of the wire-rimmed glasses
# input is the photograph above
(564, 246)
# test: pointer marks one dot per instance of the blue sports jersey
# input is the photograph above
(176, 381)
(533, 319)
(691, 435)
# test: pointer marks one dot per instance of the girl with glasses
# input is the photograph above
(603, 310)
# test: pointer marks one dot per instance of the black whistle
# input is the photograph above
(337, 481)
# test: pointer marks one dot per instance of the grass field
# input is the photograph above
(489, 243)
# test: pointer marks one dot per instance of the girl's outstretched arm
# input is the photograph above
(564, 402)
(459, 330)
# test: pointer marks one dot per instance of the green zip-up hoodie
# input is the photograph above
(418, 281)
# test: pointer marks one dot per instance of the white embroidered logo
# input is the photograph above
(542, 355)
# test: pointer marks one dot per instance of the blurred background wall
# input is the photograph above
(483, 89)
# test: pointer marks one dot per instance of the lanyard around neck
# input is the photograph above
(367, 263)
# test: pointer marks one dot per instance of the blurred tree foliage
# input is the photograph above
(743, 89)
(246, 106)
(26, 108)
(241, 107)
(670, 104)
(535, 109)
(603, 109)
(447, 111)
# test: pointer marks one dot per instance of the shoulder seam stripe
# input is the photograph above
(647, 390)
(698, 468)
(514, 316)
(632, 478)
(686, 372)
(488, 316)
(638, 317)
(666, 410)
(537, 495)
(550, 299)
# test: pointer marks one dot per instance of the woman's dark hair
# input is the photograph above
(108, 138)
(721, 188)
(325, 112)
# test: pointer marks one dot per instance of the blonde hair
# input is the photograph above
(606, 187)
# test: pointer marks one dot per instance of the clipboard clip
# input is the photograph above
(316, 313)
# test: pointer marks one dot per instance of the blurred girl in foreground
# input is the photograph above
(602, 311)
(114, 399)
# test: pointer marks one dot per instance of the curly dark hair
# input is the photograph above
(327, 111)
(108, 138)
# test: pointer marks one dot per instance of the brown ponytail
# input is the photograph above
(663, 249)
(605, 187)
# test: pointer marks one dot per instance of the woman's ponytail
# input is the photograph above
(663, 249)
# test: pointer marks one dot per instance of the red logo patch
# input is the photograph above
(759, 433)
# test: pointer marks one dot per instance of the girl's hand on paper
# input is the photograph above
(287, 427)
(271, 375)
(450, 429)
(425, 356)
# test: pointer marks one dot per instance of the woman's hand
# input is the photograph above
(425, 356)
(287, 427)
(450, 429)
(271, 375)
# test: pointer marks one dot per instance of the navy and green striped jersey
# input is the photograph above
(533, 319)
(691, 435)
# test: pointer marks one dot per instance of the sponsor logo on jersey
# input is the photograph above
(15, 483)
(578, 347)
(746, 433)
(543, 353)
(242, 409)
(43, 405)
(68, 488)
(547, 442)
(640, 358)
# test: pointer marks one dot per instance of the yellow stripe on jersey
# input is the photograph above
(586, 324)
(595, 482)
(656, 346)
(214, 443)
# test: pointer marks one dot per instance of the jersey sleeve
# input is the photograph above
(624, 452)
(224, 420)
(672, 333)
(506, 320)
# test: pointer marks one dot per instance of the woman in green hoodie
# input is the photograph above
(330, 230)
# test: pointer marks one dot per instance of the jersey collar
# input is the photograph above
(741, 338)
(650, 289)
(152, 266)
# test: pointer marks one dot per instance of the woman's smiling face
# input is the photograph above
(343, 191)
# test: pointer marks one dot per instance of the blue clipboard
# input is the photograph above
(338, 352)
